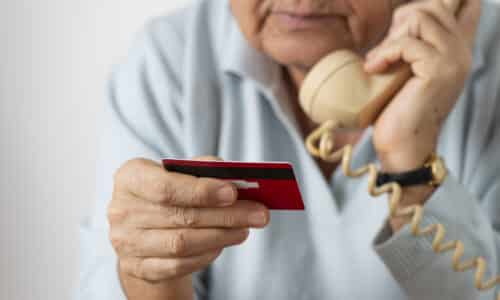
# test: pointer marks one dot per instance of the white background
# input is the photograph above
(55, 57)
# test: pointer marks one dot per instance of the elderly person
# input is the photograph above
(221, 79)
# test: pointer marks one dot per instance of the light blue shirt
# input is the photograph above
(193, 86)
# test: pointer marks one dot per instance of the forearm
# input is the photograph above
(178, 289)
(425, 274)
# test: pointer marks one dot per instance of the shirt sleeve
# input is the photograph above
(470, 213)
(142, 117)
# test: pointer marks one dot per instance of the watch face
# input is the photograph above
(439, 171)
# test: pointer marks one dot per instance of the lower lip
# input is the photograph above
(294, 22)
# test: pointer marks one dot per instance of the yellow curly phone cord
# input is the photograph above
(321, 144)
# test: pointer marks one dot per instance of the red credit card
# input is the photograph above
(270, 183)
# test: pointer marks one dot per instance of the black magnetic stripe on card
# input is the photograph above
(232, 172)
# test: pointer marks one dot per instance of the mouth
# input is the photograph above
(304, 20)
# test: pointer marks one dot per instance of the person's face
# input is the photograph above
(298, 33)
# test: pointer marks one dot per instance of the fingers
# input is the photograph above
(411, 50)
(149, 181)
(164, 225)
(428, 20)
(208, 158)
(468, 19)
(243, 214)
(461, 25)
(434, 8)
(174, 243)
(422, 33)
(424, 26)
(159, 269)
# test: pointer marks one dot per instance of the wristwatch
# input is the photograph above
(433, 173)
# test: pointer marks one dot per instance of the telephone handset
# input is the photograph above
(337, 93)
(338, 89)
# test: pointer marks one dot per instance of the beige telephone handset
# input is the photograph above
(337, 93)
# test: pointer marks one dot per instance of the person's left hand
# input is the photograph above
(438, 46)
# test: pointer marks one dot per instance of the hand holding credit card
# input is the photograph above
(270, 183)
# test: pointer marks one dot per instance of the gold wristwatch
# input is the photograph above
(438, 169)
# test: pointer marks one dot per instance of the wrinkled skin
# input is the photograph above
(164, 226)
(351, 24)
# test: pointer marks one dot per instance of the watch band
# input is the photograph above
(433, 173)
(416, 177)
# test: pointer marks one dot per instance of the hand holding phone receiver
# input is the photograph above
(338, 89)
(338, 93)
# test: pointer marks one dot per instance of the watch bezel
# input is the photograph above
(438, 170)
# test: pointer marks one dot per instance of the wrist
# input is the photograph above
(397, 161)
(404, 162)
(136, 288)
(404, 152)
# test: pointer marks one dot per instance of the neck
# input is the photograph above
(293, 81)
(296, 76)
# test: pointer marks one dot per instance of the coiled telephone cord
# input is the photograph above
(321, 144)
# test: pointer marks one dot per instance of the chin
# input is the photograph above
(302, 51)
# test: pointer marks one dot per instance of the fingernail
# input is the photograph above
(257, 219)
(226, 195)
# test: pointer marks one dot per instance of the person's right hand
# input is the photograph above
(165, 225)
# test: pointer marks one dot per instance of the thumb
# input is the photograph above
(208, 158)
